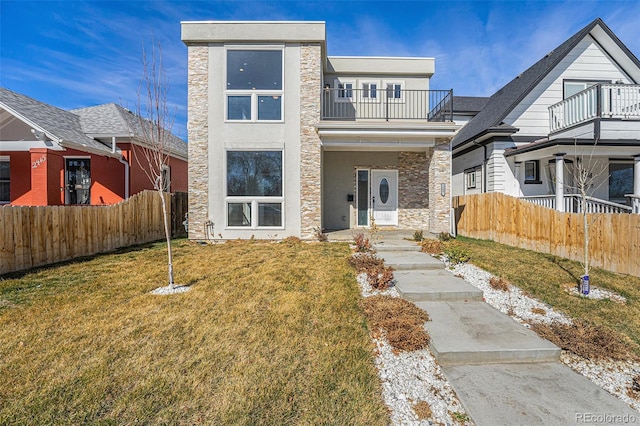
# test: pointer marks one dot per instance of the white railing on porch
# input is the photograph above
(600, 100)
(573, 203)
(635, 202)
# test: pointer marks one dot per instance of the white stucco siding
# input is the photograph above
(587, 61)
(225, 136)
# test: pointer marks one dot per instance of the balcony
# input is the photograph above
(388, 105)
(613, 102)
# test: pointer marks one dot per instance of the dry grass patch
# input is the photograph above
(269, 334)
(400, 320)
(538, 311)
(586, 340)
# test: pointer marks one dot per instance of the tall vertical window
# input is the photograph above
(254, 189)
(394, 90)
(166, 178)
(5, 178)
(254, 85)
(532, 171)
(620, 181)
(363, 197)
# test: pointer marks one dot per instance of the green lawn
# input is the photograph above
(269, 334)
(546, 277)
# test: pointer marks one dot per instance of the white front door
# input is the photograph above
(384, 196)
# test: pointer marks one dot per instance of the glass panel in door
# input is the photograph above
(363, 197)
(78, 181)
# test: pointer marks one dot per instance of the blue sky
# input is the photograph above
(73, 54)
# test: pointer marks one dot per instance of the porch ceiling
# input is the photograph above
(383, 136)
(573, 149)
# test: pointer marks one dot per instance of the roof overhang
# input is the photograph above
(25, 146)
(487, 135)
(573, 148)
(357, 136)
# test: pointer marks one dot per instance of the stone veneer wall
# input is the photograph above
(310, 149)
(413, 190)
(439, 173)
(198, 136)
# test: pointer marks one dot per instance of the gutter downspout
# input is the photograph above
(126, 168)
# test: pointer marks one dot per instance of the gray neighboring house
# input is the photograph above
(581, 101)
(284, 139)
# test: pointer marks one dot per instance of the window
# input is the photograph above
(254, 189)
(532, 171)
(5, 177)
(166, 178)
(394, 90)
(363, 197)
(571, 87)
(620, 181)
(343, 90)
(471, 179)
(370, 90)
(254, 85)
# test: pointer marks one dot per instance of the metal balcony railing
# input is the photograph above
(600, 100)
(357, 104)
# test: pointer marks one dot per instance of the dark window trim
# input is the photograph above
(536, 180)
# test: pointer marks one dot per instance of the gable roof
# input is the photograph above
(502, 102)
(62, 127)
(109, 120)
(469, 104)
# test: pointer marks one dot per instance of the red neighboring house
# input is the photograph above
(49, 156)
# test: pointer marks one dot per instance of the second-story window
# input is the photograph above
(254, 85)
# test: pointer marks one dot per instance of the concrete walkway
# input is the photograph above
(503, 373)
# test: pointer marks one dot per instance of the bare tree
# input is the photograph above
(588, 174)
(156, 123)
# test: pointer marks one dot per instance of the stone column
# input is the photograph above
(310, 147)
(198, 136)
(439, 183)
(560, 181)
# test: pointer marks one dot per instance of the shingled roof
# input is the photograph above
(490, 119)
(62, 127)
(114, 120)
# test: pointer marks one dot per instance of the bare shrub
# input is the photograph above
(586, 340)
(380, 276)
(422, 410)
(402, 321)
(431, 246)
(498, 283)
(363, 245)
(365, 261)
(320, 235)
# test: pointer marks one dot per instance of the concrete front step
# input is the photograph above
(396, 245)
(434, 285)
(409, 260)
(475, 333)
(533, 394)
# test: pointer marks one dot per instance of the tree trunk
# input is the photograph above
(167, 233)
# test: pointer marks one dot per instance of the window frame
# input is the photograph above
(166, 179)
(586, 82)
(395, 83)
(536, 178)
(472, 179)
(254, 200)
(336, 86)
(6, 159)
(253, 94)
(367, 91)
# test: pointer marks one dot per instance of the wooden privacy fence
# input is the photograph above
(35, 236)
(614, 237)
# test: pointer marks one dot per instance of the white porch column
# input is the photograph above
(636, 175)
(518, 185)
(560, 181)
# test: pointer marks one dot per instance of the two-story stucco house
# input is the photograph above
(580, 103)
(284, 139)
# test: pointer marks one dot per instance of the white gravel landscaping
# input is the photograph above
(411, 377)
(613, 376)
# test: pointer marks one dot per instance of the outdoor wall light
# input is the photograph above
(443, 189)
